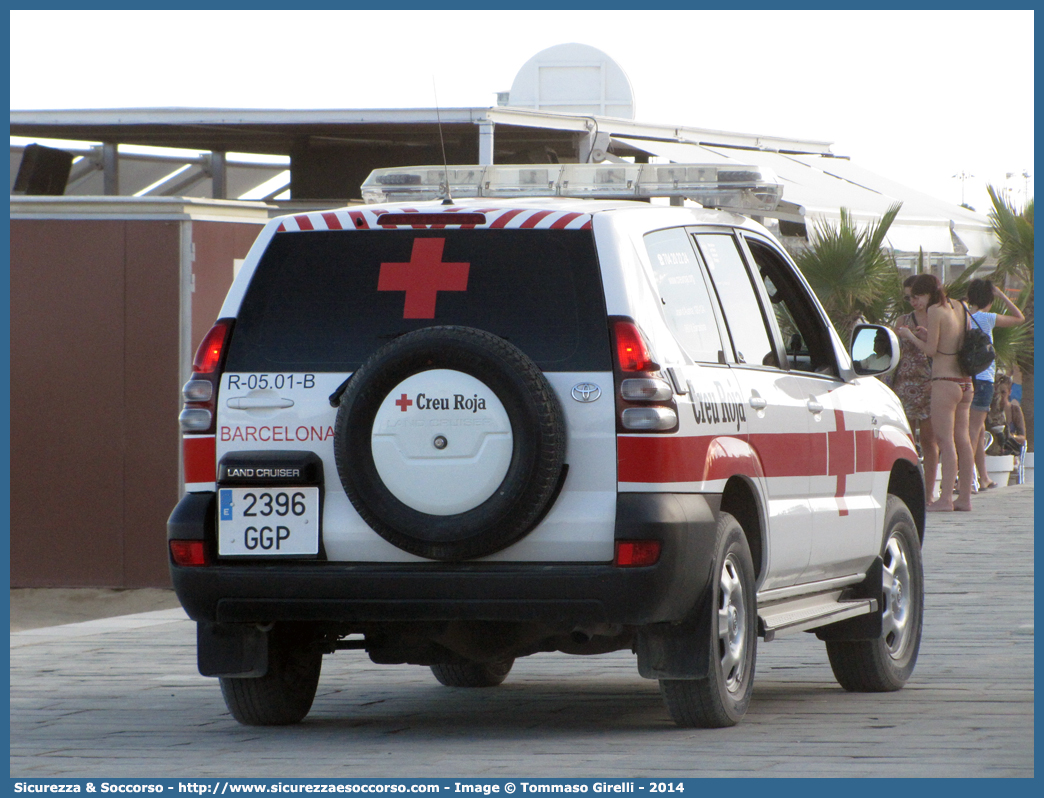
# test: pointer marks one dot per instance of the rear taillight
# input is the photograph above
(200, 392)
(632, 353)
(208, 356)
(644, 399)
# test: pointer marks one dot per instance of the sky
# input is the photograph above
(916, 96)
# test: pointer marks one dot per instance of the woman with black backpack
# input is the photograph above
(951, 390)
(981, 294)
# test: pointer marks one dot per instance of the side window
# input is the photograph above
(739, 301)
(687, 304)
(806, 338)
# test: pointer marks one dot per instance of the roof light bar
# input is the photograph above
(413, 183)
(739, 187)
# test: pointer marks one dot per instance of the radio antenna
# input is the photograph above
(448, 199)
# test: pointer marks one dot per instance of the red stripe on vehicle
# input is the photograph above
(504, 218)
(661, 459)
(561, 223)
(818, 453)
(839, 453)
(199, 453)
(281, 228)
(304, 222)
(332, 221)
(683, 459)
(864, 450)
(892, 445)
(700, 458)
(533, 220)
(850, 451)
(789, 454)
(358, 220)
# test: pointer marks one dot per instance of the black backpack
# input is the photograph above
(976, 352)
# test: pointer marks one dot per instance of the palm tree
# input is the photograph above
(1014, 231)
(958, 287)
(852, 273)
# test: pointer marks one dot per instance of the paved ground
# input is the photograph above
(33, 608)
(120, 697)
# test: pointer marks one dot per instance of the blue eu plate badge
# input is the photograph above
(225, 500)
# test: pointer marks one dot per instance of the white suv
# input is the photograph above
(539, 418)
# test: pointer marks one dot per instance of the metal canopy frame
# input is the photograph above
(314, 139)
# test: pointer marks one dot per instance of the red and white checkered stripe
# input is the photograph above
(496, 218)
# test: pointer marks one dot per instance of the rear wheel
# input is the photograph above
(473, 674)
(284, 695)
(885, 664)
(721, 699)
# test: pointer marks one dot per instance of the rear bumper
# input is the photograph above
(559, 595)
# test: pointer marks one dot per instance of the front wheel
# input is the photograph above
(284, 695)
(884, 664)
(721, 699)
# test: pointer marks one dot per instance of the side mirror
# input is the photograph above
(875, 350)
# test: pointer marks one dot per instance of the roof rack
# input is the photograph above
(736, 187)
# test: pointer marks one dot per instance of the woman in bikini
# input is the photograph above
(912, 383)
(951, 391)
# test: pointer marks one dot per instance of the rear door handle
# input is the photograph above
(259, 403)
(814, 406)
(758, 403)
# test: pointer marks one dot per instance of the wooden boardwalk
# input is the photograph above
(122, 698)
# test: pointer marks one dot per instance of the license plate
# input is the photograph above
(268, 521)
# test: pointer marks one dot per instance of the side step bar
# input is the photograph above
(809, 612)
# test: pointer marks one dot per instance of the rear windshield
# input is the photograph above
(325, 301)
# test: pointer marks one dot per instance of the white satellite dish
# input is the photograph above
(573, 79)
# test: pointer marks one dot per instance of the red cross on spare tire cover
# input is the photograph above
(450, 443)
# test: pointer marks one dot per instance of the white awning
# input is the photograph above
(822, 185)
(911, 235)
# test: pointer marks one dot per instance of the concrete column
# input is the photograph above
(111, 168)
(485, 142)
(218, 176)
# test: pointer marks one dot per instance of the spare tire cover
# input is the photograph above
(450, 443)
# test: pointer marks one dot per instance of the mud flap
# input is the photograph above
(236, 650)
(675, 650)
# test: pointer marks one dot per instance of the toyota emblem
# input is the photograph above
(586, 392)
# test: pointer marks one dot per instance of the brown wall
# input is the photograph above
(95, 391)
(94, 331)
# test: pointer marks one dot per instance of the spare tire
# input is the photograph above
(450, 443)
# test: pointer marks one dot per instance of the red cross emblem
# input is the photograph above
(842, 458)
(402, 403)
(423, 277)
